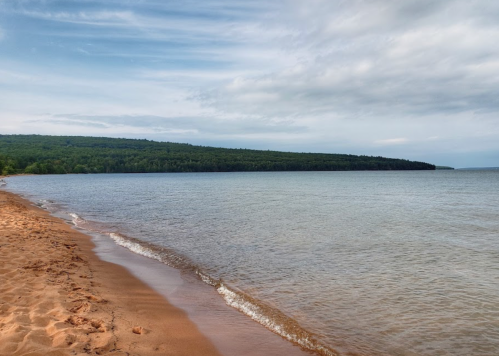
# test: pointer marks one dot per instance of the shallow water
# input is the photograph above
(368, 263)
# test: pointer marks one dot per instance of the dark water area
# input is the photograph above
(364, 263)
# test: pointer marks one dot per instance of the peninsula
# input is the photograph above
(36, 154)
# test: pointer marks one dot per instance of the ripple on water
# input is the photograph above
(372, 263)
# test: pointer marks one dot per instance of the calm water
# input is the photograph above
(367, 263)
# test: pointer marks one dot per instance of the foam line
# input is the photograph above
(270, 318)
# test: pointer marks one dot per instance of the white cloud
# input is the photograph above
(420, 69)
(391, 141)
(84, 17)
(343, 76)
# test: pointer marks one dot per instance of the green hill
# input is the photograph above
(444, 167)
(74, 154)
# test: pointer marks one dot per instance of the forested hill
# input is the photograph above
(73, 154)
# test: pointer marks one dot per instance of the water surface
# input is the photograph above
(367, 263)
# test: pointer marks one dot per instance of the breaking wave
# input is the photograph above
(271, 318)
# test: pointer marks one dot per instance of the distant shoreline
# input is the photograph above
(40, 154)
(479, 169)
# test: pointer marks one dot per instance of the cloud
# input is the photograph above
(376, 60)
(391, 141)
(409, 78)
(157, 22)
(173, 125)
(101, 18)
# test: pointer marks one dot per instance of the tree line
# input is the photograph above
(38, 154)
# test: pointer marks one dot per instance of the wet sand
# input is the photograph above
(58, 298)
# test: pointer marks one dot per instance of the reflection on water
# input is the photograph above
(373, 263)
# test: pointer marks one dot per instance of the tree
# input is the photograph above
(8, 170)
(79, 168)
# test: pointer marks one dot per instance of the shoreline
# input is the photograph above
(59, 298)
(115, 283)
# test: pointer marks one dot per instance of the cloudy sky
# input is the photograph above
(415, 79)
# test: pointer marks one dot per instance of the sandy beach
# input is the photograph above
(58, 298)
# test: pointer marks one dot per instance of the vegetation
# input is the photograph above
(443, 167)
(37, 154)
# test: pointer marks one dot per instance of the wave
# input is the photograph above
(44, 203)
(149, 250)
(77, 220)
(271, 318)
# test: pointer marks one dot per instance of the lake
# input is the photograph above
(362, 263)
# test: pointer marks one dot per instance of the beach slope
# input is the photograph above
(58, 298)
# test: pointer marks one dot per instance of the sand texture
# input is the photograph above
(58, 298)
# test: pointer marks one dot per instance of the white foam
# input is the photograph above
(135, 247)
(238, 302)
(77, 221)
(233, 299)
(206, 279)
(44, 204)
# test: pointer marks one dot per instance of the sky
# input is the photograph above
(413, 79)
